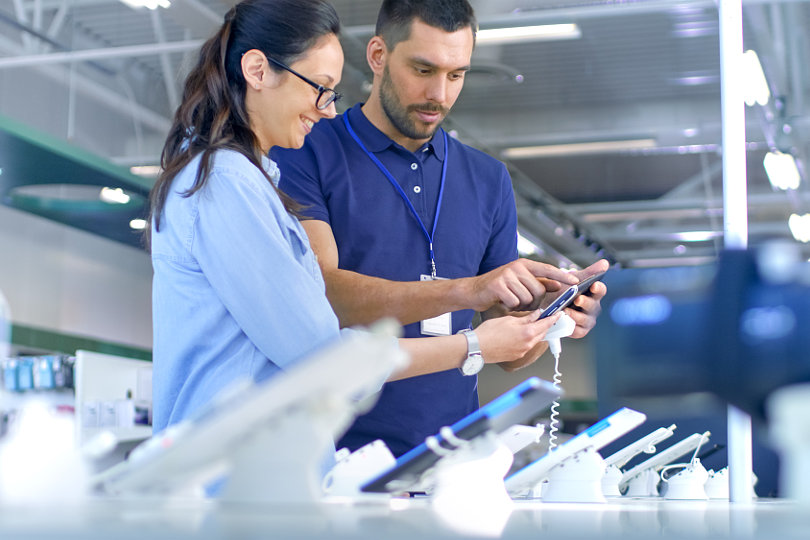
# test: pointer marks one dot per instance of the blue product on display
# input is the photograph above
(518, 405)
(25, 374)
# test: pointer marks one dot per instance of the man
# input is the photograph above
(410, 223)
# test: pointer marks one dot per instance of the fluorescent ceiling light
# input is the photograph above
(517, 34)
(525, 246)
(755, 86)
(137, 224)
(781, 170)
(113, 196)
(596, 147)
(145, 170)
(800, 227)
(149, 4)
(695, 236)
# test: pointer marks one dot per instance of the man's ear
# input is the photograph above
(376, 54)
(255, 69)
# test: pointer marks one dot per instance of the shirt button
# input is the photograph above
(414, 166)
(417, 189)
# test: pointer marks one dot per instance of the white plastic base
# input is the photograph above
(283, 463)
(610, 482)
(689, 484)
(352, 470)
(644, 485)
(468, 490)
(717, 484)
(577, 479)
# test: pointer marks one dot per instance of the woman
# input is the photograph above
(237, 290)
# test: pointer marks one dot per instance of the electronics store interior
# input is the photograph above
(639, 320)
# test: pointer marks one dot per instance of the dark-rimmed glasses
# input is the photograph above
(326, 96)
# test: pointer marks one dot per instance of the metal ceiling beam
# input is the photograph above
(99, 54)
(593, 212)
(99, 92)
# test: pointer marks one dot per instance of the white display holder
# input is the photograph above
(614, 462)
(354, 469)
(530, 478)
(472, 472)
(644, 484)
(789, 430)
(577, 479)
(717, 484)
(688, 484)
(467, 485)
(641, 480)
(610, 481)
(269, 442)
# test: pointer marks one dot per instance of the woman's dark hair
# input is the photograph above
(212, 115)
(396, 17)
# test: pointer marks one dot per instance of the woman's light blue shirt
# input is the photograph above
(237, 291)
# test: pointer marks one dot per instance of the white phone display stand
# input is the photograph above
(789, 430)
(269, 441)
(472, 472)
(717, 484)
(354, 469)
(577, 479)
(468, 491)
(644, 484)
(610, 482)
(642, 480)
(615, 462)
(519, 436)
(688, 484)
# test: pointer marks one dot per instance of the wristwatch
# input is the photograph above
(474, 361)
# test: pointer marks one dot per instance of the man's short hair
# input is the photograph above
(396, 17)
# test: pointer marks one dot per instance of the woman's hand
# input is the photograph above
(510, 339)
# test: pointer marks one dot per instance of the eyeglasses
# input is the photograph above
(326, 96)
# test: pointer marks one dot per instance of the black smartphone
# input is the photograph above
(569, 294)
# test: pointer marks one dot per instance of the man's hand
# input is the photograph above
(519, 285)
(587, 306)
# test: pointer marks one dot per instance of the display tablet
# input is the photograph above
(517, 405)
(597, 436)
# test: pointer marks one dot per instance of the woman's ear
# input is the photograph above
(376, 53)
(255, 69)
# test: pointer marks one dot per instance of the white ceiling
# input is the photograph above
(106, 78)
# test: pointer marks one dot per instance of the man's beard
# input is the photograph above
(399, 115)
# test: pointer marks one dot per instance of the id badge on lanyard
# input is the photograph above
(441, 325)
(437, 326)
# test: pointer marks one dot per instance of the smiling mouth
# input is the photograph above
(309, 123)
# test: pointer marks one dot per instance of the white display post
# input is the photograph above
(735, 214)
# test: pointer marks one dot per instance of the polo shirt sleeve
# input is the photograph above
(502, 245)
(301, 178)
(254, 260)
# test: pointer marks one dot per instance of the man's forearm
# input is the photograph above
(361, 299)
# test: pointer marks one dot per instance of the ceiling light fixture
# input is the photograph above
(696, 236)
(137, 224)
(595, 147)
(113, 196)
(525, 246)
(149, 171)
(800, 227)
(755, 86)
(519, 34)
(148, 4)
(781, 170)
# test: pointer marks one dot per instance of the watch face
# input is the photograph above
(472, 364)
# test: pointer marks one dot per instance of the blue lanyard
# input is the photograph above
(428, 235)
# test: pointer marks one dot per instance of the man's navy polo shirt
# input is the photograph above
(377, 235)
